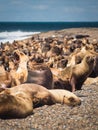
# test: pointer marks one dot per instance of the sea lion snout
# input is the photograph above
(90, 59)
(16, 56)
(74, 101)
(93, 58)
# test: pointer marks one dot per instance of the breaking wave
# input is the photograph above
(15, 35)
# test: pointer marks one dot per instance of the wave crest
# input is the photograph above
(15, 35)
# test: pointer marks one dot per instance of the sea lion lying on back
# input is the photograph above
(18, 101)
(72, 78)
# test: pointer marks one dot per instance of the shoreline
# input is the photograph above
(92, 32)
(58, 116)
(71, 31)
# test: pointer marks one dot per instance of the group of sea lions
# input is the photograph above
(19, 101)
(39, 71)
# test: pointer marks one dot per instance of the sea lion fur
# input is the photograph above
(74, 76)
(18, 101)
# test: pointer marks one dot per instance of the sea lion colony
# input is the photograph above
(53, 63)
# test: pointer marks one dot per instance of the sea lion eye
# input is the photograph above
(88, 57)
(71, 99)
(21, 53)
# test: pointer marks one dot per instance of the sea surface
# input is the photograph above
(10, 31)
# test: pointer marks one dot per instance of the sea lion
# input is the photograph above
(73, 77)
(20, 75)
(5, 78)
(40, 74)
(77, 57)
(65, 97)
(90, 81)
(18, 101)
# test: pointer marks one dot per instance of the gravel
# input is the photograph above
(61, 117)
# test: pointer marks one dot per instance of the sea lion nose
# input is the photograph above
(79, 102)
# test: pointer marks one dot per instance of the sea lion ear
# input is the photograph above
(71, 99)
(21, 53)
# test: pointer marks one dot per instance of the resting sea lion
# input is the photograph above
(65, 97)
(90, 81)
(18, 101)
(40, 74)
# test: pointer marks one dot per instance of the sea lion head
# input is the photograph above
(56, 50)
(20, 56)
(74, 101)
(71, 100)
(90, 59)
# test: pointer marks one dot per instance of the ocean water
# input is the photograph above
(10, 31)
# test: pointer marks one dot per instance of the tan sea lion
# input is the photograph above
(18, 101)
(90, 81)
(65, 97)
(77, 57)
(73, 77)
(20, 75)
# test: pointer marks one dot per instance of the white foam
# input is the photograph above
(15, 35)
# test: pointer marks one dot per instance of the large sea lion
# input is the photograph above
(77, 57)
(18, 101)
(40, 74)
(73, 77)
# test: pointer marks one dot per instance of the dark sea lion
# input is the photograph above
(40, 74)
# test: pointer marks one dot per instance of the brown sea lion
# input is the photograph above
(18, 101)
(73, 77)
(77, 57)
(5, 78)
(40, 74)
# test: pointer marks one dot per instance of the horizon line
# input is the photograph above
(49, 21)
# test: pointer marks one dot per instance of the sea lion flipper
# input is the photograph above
(73, 83)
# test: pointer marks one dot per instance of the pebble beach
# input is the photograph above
(58, 116)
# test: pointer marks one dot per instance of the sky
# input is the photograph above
(48, 10)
